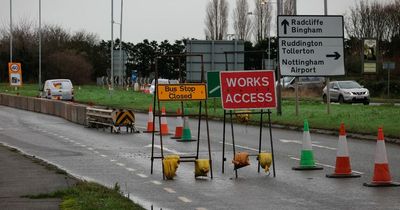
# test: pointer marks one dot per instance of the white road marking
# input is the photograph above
(156, 182)
(184, 199)
(130, 169)
(300, 142)
(201, 208)
(141, 127)
(103, 155)
(325, 165)
(66, 138)
(170, 190)
(168, 150)
(142, 175)
(61, 136)
(89, 148)
(82, 145)
(112, 160)
(97, 152)
(243, 147)
(121, 164)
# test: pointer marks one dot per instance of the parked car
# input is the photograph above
(304, 82)
(161, 81)
(346, 92)
(59, 89)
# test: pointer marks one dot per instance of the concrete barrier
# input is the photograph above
(74, 114)
(57, 108)
(30, 104)
(38, 104)
(24, 103)
(81, 111)
(11, 101)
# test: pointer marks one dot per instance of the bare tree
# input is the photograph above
(216, 19)
(263, 16)
(242, 22)
(289, 7)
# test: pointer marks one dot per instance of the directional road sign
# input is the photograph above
(311, 56)
(213, 84)
(310, 26)
(311, 45)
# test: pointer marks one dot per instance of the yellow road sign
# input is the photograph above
(15, 74)
(181, 92)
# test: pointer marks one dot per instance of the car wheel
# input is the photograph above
(341, 99)
(366, 102)
(324, 99)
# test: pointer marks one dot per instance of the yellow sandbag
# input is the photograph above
(241, 159)
(202, 167)
(171, 163)
(265, 160)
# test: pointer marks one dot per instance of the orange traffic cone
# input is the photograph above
(179, 126)
(164, 124)
(150, 124)
(382, 176)
(343, 168)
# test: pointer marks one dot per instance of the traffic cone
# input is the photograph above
(164, 124)
(150, 124)
(343, 168)
(179, 126)
(307, 155)
(187, 134)
(382, 176)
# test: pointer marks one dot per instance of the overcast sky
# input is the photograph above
(142, 19)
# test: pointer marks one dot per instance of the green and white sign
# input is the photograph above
(213, 85)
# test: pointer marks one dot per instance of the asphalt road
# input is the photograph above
(100, 156)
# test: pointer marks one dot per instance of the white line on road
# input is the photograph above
(121, 164)
(300, 142)
(61, 136)
(97, 152)
(141, 127)
(170, 190)
(184, 199)
(112, 160)
(142, 175)
(89, 148)
(166, 149)
(103, 155)
(200, 208)
(130, 169)
(243, 147)
(156, 182)
(325, 165)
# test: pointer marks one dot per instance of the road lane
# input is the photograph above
(35, 134)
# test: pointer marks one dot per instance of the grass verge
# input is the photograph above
(358, 118)
(88, 196)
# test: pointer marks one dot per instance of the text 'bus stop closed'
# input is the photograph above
(248, 89)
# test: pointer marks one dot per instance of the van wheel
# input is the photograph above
(324, 99)
(341, 99)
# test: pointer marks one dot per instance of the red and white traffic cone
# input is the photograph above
(150, 123)
(343, 168)
(179, 126)
(382, 176)
(164, 124)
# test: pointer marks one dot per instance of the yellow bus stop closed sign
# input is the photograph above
(181, 92)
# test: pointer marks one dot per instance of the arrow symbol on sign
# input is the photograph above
(215, 89)
(285, 24)
(336, 55)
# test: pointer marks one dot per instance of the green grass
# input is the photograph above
(358, 118)
(88, 196)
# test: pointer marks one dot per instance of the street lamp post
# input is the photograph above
(40, 44)
(11, 33)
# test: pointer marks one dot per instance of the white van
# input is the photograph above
(162, 81)
(59, 89)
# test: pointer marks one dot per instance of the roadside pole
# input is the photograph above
(328, 80)
(279, 86)
(112, 45)
(296, 80)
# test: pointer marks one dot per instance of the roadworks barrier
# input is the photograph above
(381, 176)
(241, 160)
(307, 155)
(265, 160)
(201, 167)
(170, 165)
(70, 111)
(343, 167)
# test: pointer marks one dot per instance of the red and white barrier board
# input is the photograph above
(248, 89)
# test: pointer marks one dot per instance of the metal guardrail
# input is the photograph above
(115, 119)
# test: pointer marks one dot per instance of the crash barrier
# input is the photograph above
(111, 118)
(68, 110)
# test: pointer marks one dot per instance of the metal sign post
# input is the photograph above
(181, 92)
